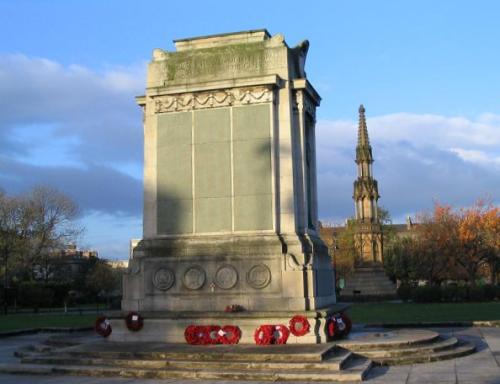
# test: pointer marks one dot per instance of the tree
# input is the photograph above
(103, 280)
(449, 244)
(52, 219)
(33, 227)
(388, 232)
(436, 245)
(478, 233)
(340, 242)
(400, 261)
(13, 232)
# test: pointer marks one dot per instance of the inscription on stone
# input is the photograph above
(259, 276)
(163, 279)
(226, 277)
(194, 278)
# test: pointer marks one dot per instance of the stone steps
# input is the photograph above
(152, 351)
(388, 340)
(368, 282)
(452, 353)
(318, 362)
(354, 373)
(407, 347)
(334, 363)
(399, 352)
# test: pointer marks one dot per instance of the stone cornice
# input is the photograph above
(269, 80)
(305, 85)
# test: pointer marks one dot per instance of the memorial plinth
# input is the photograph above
(230, 201)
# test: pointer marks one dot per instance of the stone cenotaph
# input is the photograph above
(230, 200)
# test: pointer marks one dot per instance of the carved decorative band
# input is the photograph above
(223, 98)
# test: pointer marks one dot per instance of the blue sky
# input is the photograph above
(426, 71)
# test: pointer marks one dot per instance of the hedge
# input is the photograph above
(448, 293)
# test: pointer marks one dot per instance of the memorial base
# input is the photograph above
(169, 327)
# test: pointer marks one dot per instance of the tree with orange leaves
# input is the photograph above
(478, 230)
(436, 244)
(449, 244)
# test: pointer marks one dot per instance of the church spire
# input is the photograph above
(363, 149)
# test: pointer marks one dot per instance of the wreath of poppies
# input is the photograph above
(271, 334)
(299, 325)
(212, 334)
(264, 335)
(330, 328)
(134, 321)
(234, 308)
(280, 334)
(347, 321)
(103, 326)
(338, 325)
(191, 335)
(229, 334)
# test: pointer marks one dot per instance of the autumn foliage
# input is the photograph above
(449, 244)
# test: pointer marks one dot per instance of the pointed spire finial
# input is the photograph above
(362, 129)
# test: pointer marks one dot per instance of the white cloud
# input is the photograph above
(96, 108)
(418, 158)
(478, 157)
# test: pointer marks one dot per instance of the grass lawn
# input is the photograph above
(24, 321)
(430, 312)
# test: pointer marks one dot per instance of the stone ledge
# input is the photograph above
(321, 313)
(29, 331)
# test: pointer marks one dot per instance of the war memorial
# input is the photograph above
(230, 209)
(231, 280)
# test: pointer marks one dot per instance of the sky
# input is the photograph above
(426, 71)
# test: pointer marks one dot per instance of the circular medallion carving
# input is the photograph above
(163, 279)
(194, 278)
(259, 276)
(226, 277)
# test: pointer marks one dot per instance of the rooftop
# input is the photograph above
(210, 41)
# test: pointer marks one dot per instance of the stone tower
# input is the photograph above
(368, 279)
(368, 238)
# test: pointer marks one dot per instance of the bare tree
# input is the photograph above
(52, 218)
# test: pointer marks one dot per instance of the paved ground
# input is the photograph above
(482, 367)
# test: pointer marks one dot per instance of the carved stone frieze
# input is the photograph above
(222, 98)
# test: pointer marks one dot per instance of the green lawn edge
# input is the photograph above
(401, 313)
(14, 322)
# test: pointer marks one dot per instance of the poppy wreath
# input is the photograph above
(331, 326)
(234, 308)
(103, 326)
(299, 325)
(134, 321)
(229, 334)
(212, 334)
(347, 321)
(264, 335)
(280, 334)
(191, 335)
(336, 326)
